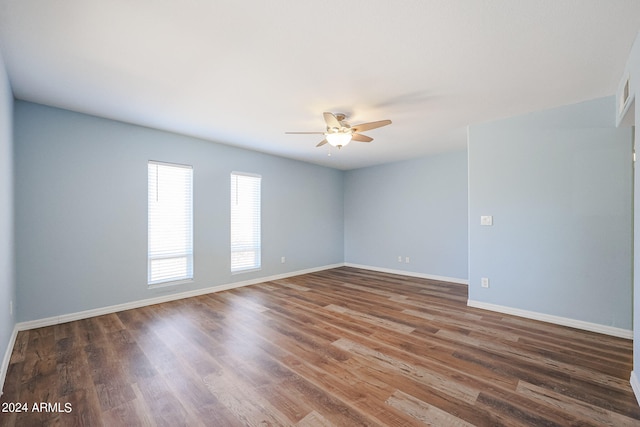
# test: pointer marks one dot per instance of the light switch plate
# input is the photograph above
(486, 220)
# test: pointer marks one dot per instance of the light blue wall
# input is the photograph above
(558, 184)
(7, 275)
(81, 210)
(416, 209)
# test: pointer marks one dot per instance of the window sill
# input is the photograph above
(171, 283)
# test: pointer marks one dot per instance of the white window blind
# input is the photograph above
(170, 222)
(245, 222)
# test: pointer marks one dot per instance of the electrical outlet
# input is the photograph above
(406, 260)
(484, 282)
(399, 258)
(283, 260)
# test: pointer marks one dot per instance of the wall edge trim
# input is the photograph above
(635, 385)
(7, 357)
(558, 320)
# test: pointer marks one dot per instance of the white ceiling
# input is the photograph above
(244, 72)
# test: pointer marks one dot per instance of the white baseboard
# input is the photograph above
(55, 320)
(7, 357)
(635, 385)
(409, 273)
(558, 320)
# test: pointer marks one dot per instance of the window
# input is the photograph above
(170, 223)
(245, 222)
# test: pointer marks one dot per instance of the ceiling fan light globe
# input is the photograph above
(338, 139)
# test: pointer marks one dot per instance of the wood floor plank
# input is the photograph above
(456, 390)
(374, 320)
(340, 347)
(582, 410)
(20, 347)
(547, 362)
(246, 404)
(424, 412)
(314, 419)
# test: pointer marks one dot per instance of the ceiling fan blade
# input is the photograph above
(321, 143)
(361, 138)
(368, 126)
(331, 120)
(305, 133)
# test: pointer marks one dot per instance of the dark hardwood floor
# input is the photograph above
(342, 347)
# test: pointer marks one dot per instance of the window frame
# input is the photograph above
(188, 277)
(256, 226)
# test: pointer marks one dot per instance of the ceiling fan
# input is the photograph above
(339, 133)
